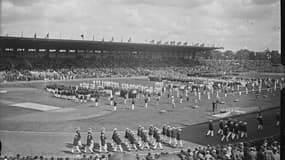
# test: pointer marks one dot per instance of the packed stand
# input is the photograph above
(268, 149)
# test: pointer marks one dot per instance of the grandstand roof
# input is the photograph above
(40, 43)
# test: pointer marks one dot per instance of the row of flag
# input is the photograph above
(112, 39)
(180, 43)
(35, 35)
(82, 37)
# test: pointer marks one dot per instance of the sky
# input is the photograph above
(232, 24)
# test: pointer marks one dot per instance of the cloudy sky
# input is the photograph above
(233, 24)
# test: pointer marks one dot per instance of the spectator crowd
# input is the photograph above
(264, 149)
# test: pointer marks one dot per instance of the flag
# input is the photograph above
(82, 36)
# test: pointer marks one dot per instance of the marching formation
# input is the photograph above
(176, 92)
(233, 129)
(143, 139)
(153, 138)
(229, 129)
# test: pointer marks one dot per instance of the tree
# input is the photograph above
(229, 54)
(242, 54)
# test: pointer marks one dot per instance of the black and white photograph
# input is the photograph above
(141, 80)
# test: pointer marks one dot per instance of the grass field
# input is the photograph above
(33, 127)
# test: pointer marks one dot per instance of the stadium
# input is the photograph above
(51, 88)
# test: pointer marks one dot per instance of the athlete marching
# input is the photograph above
(103, 144)
(89, 141)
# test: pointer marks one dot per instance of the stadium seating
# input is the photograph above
(45, 67)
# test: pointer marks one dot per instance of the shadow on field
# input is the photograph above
(168, 145)
(68, 145)
(67, 152)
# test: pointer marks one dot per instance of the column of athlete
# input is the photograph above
(234, 129)
(147, 99)
(231, 128)
(141, 140)
(198, 92)
(170, 95)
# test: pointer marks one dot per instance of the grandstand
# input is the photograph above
(57, 53)
(141, 80)
(63, 73)
(242, 65)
